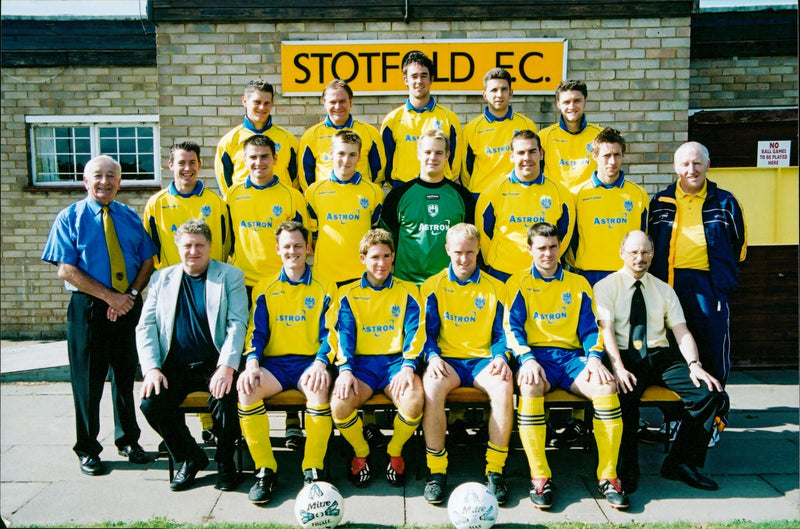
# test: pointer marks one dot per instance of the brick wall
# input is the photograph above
(638, 73)
(743, 83)
(33, 301)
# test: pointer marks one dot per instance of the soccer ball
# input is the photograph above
(319, 506)
(472, 506)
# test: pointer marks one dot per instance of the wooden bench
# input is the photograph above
(294, 400)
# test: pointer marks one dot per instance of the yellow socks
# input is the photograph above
(403, 430)
(607, 424)
(495, 458)
(437, 460)
(533, 434)
(351, 429)
(318, 430)
(255, 428)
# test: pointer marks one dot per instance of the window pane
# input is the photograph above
(108, 146)
(61, 152)
(127, 145)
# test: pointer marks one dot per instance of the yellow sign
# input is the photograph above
(374, 67)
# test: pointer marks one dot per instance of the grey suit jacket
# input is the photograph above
(226, 306)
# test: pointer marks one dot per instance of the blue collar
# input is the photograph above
(347, 124)
(474, 278)
(386, 284)
(558, 276)
(563, 125)
(305, 280)
(491, 118)
(355, 179)
(198, 190)
(515, 180)
(428, 107)
(97, 208)
(249, 125)
(249, 183)
(619, 182)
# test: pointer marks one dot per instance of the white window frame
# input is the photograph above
(94, 123)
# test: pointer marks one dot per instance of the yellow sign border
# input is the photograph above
(346, 48)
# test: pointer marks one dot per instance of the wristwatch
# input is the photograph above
(134, 292)
(695, 362)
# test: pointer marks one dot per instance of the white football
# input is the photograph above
(319, 505)
(472, 506)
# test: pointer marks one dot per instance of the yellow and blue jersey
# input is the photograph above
(168, 209)
(463, 319)
(504, 216)
(383, 320)
(567, 155)
(552, 312)
(402, 127)
(291, 318)
(340, 213)
(315, 151)
(255, 213)
(487, 144)
(603, 215)
(229, 165)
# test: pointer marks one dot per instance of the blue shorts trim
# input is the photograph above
(561, 366)
(287, 369)
(376, 371)
(467, 368)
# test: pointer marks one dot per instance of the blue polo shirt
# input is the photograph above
(77, 238)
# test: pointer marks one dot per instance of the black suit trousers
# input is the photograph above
(666, 367)
(94, 344)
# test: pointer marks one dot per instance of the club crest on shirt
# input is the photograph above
(395, 310)
(277, 210)
(433, 209)
(363, 202)
(205, 210)
(546, 202)
(566, 297)
(589, 147)
(309, 302)
(480, 302)
(438, 123)
(628, 205)
(637, 344)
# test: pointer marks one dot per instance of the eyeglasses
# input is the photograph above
(639, 253)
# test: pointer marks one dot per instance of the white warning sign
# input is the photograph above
(774, 153)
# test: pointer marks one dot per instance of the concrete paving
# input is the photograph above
(756, 465)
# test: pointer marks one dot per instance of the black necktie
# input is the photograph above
(638, 334)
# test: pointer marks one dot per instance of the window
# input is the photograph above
(62, 145)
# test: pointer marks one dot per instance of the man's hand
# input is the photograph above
(154, 379)
(402, 381)
(316, 377)
(624, 378)
(221, 382)
(530, 373)
(438, 368)
(595, 368)
(250, 378)
(499, 367)
(698, 374)
(344, 383)
(121, 303)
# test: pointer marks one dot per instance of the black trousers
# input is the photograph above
(161, 412)
(666, 367)
(94, 344)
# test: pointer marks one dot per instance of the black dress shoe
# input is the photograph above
(187, 472)
(135, 454)
(92, 466)
(227, 477)
(689, 475)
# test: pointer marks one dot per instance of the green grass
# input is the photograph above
(162, 523)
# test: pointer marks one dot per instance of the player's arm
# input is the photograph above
(389, 147)
(308, 160)
(223, 168)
